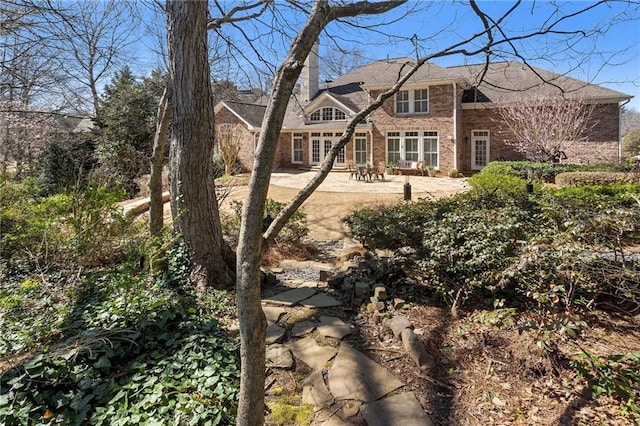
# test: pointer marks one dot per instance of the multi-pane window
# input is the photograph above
(393, 147)
(328, 114)
(297, 148)
(413, 146)
(361, 148)
(430, 147)
(420, 100)
(315, 147)
(412, 101)
(402, 102)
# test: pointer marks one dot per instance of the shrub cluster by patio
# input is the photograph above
(547, 172)
(592, 178)
(495, 243)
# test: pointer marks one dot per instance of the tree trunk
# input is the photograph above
(156, 210)
(193, 198)
(251, 240)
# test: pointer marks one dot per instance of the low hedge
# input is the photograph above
(592, 178)
(548, 171)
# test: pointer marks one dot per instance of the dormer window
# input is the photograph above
(414, 101)
(328, 114)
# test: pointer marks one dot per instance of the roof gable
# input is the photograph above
(249, 114)
(326, 98)
(385, 73)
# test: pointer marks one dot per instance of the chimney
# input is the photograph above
(310, 75)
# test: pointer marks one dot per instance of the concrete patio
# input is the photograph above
(340, 182)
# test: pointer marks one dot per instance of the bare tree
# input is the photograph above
(91, 38)
(27, 73)
(228, 138)
(340, 61)
(545, 127)
(23, 135)
(160, 139)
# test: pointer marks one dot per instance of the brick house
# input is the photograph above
(444, 116)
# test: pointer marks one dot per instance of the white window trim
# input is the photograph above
(321, 138)
(412, 102)
(294, 137)
(474, 166)
(360, 135)
(319, 111)
(421, 138)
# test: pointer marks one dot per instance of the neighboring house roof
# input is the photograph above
(250, 114)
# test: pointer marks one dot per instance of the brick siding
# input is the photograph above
(602, 144)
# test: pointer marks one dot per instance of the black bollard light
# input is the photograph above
(407, 189)
(529, 185)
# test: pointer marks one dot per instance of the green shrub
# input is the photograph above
(30, 231)
(66, 165)
(601, 215)
(614, 375)
(499, 178)
(592, 178)
(548, 171)
(464, 250)
(501, 168)
(294, 231)
(392, 227)
(77, 228)
(615, 194)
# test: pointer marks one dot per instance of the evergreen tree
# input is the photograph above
(127, 121)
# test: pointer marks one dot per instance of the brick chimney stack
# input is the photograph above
(310, 74)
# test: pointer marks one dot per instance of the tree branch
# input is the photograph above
(215, 23)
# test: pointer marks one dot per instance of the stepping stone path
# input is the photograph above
(343, 382)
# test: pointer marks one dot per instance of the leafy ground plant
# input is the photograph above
(129, 351)
(613, 375)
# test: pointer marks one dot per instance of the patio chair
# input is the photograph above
(378, 172)
(365, 174)
(352, 170)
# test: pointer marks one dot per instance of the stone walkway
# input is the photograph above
(345, 386)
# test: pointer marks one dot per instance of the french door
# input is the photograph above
(321, 144)
(479, 149)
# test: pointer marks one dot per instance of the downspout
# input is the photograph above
(620, 129)
(255, 145)
(371, 153)
(455, 126)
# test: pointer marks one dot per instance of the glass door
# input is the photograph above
(479, 149)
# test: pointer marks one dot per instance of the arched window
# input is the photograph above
(328, 114)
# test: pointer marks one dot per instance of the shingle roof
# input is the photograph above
(503, 82)
(386, 72)
(506, 82)
(251, 113)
